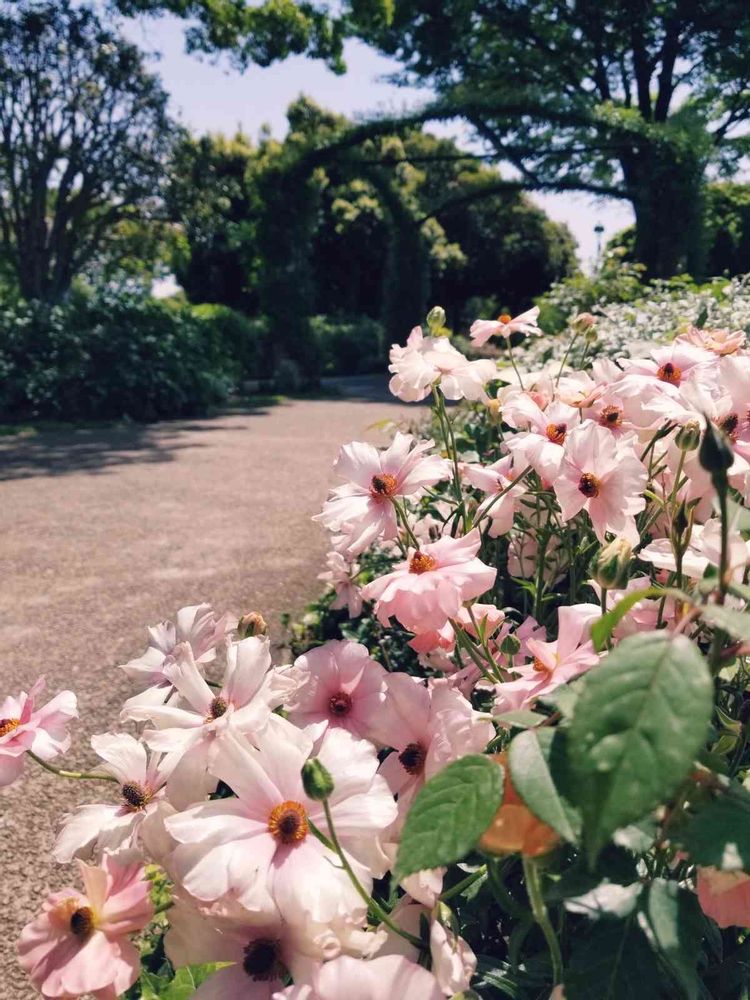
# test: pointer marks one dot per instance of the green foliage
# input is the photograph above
(637, 726)
(719, 834)
(541, 776)
(348, 345)
(449, 814)
(180, 986)
(110, 356)
(243, 340)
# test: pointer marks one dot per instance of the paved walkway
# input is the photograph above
(103, 532)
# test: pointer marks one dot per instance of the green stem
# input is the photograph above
(77, 775)
(372, 904)
(401, 516)
(459, 887)
(574, 338)
(449, 441)
(513, 362)
(539, 909)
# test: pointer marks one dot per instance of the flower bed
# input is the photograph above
(509, 758)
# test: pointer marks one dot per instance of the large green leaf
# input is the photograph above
(672, 921)
(733, 622)
(613, 961)
(449, 814)
(719, 835)
(540, 773)
(639, 722)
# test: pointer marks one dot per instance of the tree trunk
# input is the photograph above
(667, 195)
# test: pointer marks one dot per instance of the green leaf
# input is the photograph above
(733, 622)
(672, 921)
(449, 815)
(613, 961)
(639, 722)
(540, 773)
(522, 718)
(187, 980)
(602, 629)
(719, 835)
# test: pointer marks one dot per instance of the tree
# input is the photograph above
(84, 138)
(633, 99)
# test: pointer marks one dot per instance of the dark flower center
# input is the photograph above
(217, 708)
(8, 725)
(383, 487)
(82, 921)
(412, 758)
(261, 960)
(589, 485)
(288, 823)
(556, 433)
(611, 416)
(669, 373)
(729, 424)
(136, 796)
(340, 704)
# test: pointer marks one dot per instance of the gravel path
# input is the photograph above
(107, 531)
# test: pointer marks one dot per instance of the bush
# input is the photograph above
(110, 356)
(244, 340)
(350, 345)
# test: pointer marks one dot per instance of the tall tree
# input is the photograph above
(84, 137)
(634, 99)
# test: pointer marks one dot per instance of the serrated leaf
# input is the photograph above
(733, 622)
(719, 835)
(449, 815)
(540, 774)
(638, 724)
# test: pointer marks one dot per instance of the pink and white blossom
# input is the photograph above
(79, 944)
(504, 326)
(429, 361)
(43, 730)
(378, 979)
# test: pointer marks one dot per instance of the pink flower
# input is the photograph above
(363, 508)
(505, 325)
(428, 727)
(494, 479)
(386, 978)
(429, 361)
(245, 701)
(259, 849)
(604, 477)
(339, 685)
(114, 826)
(43, 730)
(540, 443)
(725, 896)
(429, 587)
(79, 943)
(553, 663)
(340, 576)
(196, 625)
(717, 341)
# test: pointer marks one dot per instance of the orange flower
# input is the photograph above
(515, 829)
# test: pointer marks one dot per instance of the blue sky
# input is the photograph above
(210, 96)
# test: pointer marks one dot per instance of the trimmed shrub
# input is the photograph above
(349, 345)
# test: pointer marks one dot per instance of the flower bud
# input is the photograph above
(510, 646)
(679, 532)
(515, 829)
(585, 323)
(494, 410)
(252, 623)
(715, 454)
(316, 780)
(688, 437)
(436, 319)
(612, 563)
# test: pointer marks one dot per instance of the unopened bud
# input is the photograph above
(680, 527)
(688, 437)
(436, 319)
(494, 410)
(715, 455)
(316, 780)
(611, 565)
(510, 646)
(252, 623)
(584, 320)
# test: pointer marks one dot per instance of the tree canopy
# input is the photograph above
(84, 138)
(634, 99)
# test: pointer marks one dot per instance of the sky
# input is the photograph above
(210, 96)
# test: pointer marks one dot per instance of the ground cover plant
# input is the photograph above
(510, 756)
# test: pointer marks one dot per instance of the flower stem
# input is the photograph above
(77, 775)
(371, 903)
(459, 887)
(539, 909)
